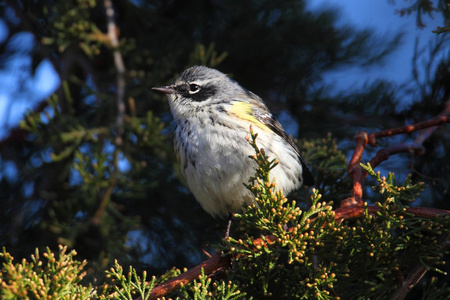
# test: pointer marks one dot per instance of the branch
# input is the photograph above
(209, 266)
(113, 32)
(439, 120)
(356, 172)
(413, 278)
(427, 132)
(384, 154)
(355, 212)
(416, 274)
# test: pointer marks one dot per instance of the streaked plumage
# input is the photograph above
(213, 114)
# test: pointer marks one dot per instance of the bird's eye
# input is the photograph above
(194, 88)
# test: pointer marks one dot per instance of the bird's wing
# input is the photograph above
(262, 114)
(249, 106)
(267, 119)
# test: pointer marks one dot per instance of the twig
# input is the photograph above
(356, 172)
(120, 67)
(354, 212)
(439, 120)
(415, 275)
(384, 154)
(427, 132)
(209, 266)
(413, 278)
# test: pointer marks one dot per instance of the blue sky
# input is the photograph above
(20, 88)
(381, 16)
(17, 95)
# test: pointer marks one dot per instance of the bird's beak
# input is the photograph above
(164, 89)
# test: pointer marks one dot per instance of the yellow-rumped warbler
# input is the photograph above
(213, 114)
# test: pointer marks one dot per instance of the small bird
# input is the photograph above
(213, 114)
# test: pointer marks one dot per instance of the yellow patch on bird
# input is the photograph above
(244, 111)
(177, 155)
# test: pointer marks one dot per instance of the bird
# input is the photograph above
(212, 115)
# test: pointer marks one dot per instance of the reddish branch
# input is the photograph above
(355, 212)
(358, 174)
(384, 154)
(351, 208)
(210, 265)
(439, 120)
